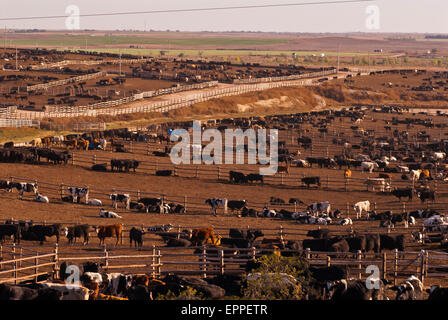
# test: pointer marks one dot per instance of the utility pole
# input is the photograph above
(17, 65)
(337, 70)
(120, 61)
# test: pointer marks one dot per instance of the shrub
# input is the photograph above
(278, 278)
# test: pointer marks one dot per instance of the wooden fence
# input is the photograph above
(206, 261)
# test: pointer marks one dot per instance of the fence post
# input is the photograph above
(14, 273)
(94, 159)
(308, 254)
(196, 175)
(56, 260)
(36, 269)
(106, 256)
(185, 204)
(359, 256)
(422, 266)
(221, 260)
(384, 265)
(328, 261)
(73, 158)
(219, 173)
(153, 261)
(395, 266)
(204, 260)
(159, 262)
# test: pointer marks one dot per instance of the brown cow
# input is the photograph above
(70, 143)
(115, 230)
(202, 235)
(347, 173)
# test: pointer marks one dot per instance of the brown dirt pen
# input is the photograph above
(186, 189)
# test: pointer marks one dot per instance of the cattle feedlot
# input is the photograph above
(107, 191)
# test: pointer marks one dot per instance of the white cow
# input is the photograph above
(436, 223)
(369, 166)
(41, 198)
(377, 182)
(109, 214)
(345, 222)
(403, 169)
(360, 207)
(415, 175)
(69, 292)
(439, 155)
(95, 202)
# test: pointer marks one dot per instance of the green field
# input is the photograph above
(80, 41)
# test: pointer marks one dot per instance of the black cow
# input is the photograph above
(426, 195)
(436, 293)
(319, 233)
(356, 243)
(236, 205)
(164, 173)
(316, 244)
(136, 236)
(251, 177)
(311, 180)
(100, 167)
(72, 233)
(295, 201)
(237, 177)
(392, 242)
(402, 193)
(275, 200)
(10, 230)
(40, 232)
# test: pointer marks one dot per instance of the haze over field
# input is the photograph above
(429, 16)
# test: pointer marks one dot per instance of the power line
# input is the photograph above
(192, 10)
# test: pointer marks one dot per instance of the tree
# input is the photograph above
(276, 277)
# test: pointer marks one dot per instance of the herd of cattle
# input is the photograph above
(419, 160)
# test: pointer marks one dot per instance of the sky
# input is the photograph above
(404, 16)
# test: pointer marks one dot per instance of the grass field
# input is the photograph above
(101, 40)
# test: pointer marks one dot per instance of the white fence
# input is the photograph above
(43, 86)
(18, 123)
(86, 62)
(286, 78)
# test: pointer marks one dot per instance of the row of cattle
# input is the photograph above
(33, 155)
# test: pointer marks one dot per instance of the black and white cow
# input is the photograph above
(109, 214)
(116, 284)
(77, 193)
(23, 187)
(123, 198)
(5, 184)
(410, 289)
(320, 207)
(216, 203)
(354, 290)
(150, 202)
